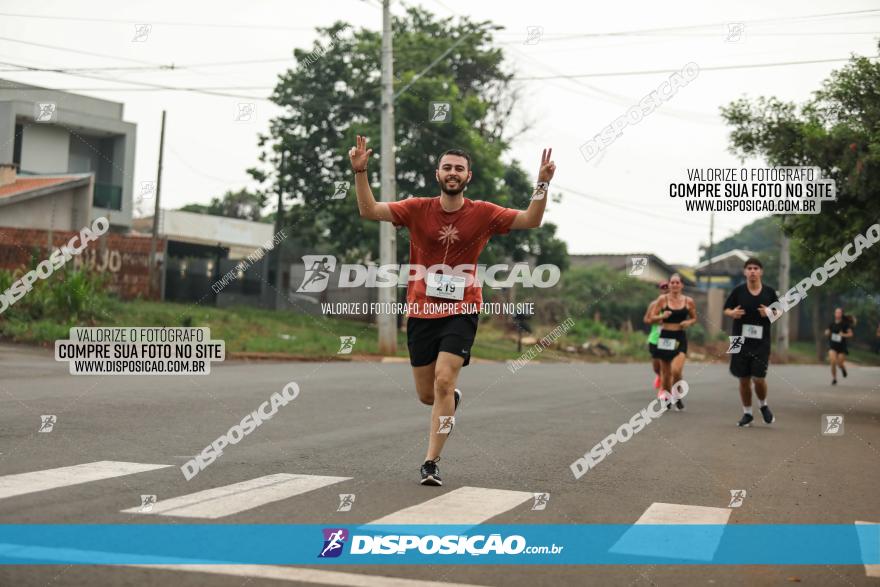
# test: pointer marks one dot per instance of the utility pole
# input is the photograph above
(157, 283)
(387, 321)
(784, 271)
(711, 241)
(275, 255)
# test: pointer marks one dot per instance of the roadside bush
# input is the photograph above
(67, 298)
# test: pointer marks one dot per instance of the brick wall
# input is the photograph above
(124, 258)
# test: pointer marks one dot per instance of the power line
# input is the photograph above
(672, 69)
(698, 26)
(613, 204)
(81, 52)
(143, 84)
(617, 98)
(525, 78)
(158, 23)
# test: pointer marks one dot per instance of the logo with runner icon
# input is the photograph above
(446, 424)
(832, 425)
(736, 345)
(47, 423)
(147, 503)
(736, 498)
(541, 500)
(346, 501)
(334, 541)
(639, 264)
(346, 345)
(318, 270)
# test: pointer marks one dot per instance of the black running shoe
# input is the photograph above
(843, 370)
(769, 418)
(834, 382)
(745, 421)
(457, 397)
(679, 404)
(431, 473)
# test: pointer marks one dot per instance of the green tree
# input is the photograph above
(334, 94)
(590, 292)
(758, 236)
(241, 204)
(838, 130)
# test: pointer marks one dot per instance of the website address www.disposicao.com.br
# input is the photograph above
(335, 540)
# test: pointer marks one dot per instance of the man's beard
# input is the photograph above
(453, 191)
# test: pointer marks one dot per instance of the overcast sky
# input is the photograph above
(623, 203)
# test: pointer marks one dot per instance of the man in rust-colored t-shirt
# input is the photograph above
(447, 234)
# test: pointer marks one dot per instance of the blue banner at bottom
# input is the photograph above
(530, 544)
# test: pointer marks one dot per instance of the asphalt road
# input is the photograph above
(515, 432)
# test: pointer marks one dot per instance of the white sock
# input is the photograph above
(747, 410)
(763, 403)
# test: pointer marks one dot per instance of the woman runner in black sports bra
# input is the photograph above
(678, 312)
(837, 333)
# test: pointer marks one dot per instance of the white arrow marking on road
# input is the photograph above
(23, 483)
(238, 497)
(870, 570)
(464, 506)
(633, 542)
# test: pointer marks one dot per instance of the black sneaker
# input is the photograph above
(843, 370)
(834, 382)
(769, 418)
(431, 473)
(745, 421)
(679, 404)
(457, 394)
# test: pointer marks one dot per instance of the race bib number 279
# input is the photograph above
(450, 287)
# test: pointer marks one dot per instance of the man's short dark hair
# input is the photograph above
(458, 152)
(752, 261)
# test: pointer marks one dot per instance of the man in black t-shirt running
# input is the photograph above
(749, 304)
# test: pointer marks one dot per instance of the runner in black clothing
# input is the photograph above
(748, 305)
(675, 312)
(837, 333)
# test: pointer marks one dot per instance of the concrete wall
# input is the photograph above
(65, 210)
(7, 131)
(45, 148)
(10, 90)
(241, 236)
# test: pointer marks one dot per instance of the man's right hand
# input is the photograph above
(359, 155)
(737, 312)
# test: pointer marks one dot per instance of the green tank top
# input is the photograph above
(655, 334)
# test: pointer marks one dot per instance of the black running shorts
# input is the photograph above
(652, 350)
(681, 344)
(426, 337)
(839, 347)
(750, 363)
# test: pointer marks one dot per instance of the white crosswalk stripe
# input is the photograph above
(870, 570)
(238, 497)
(465, 506)
(24, 483)
(309, 576)
(633, 542)
(278, 573)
